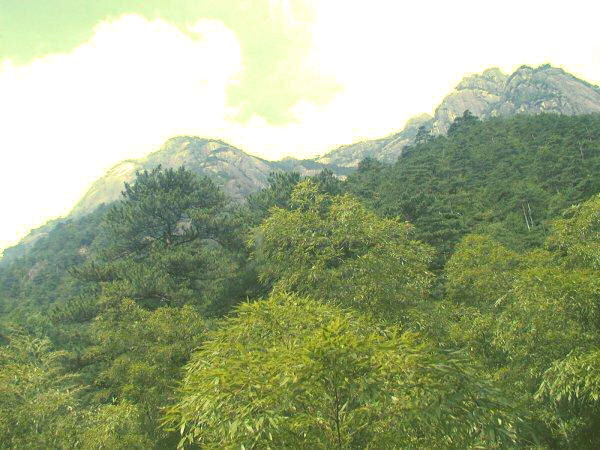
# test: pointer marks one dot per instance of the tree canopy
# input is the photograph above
(292, 372)
(333, 248)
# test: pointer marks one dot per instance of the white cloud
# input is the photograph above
(397, 59)
(67, 118)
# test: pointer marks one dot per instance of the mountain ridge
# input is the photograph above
(237, 172)
(491, 93)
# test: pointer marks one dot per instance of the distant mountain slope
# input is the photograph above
(545, 89)
(385, 149)
(237, 172)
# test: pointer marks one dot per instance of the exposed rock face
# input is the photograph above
(385, 149)
(477, 93)
(489, 94)
(548, 89)
(237, 172)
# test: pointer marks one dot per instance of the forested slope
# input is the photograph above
(506, 177)
(450, 300)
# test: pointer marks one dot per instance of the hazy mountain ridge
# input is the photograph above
(20, 249)
(528, 90)
(238, 172)
(385, 149)
(489, 94)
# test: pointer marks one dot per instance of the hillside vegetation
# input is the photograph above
(450, 300)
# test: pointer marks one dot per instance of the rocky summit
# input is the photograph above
(237, 172)
(528, 90)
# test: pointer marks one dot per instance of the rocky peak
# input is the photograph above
(491, 81)
(477, 93)
(491, 93)
(548, 89)
(237, 172)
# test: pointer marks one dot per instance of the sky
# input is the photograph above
(86, 84)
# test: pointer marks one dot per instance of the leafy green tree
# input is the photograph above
(479, 278)
(328, 183)
(576, 236)
(170, 207)
(571, 379)
(333, 248)
(423, 135)
(167, 243)
(276, 194)
(365, 183)
(138, 355)
(113, 426)
(480, 271)
(462, 121)
(164, 259)
(196, 273)
(503, 177)
(37, 399)
(574, 379)
(294, 373)
(536, 324)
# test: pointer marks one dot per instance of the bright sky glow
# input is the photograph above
(296, 78)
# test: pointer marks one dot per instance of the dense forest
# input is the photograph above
(450, 300)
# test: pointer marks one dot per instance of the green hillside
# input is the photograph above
(504, 177)
(450, 300)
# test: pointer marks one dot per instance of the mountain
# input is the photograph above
(385, 149)
(237, 172)
(489, 94)
(528, 90)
